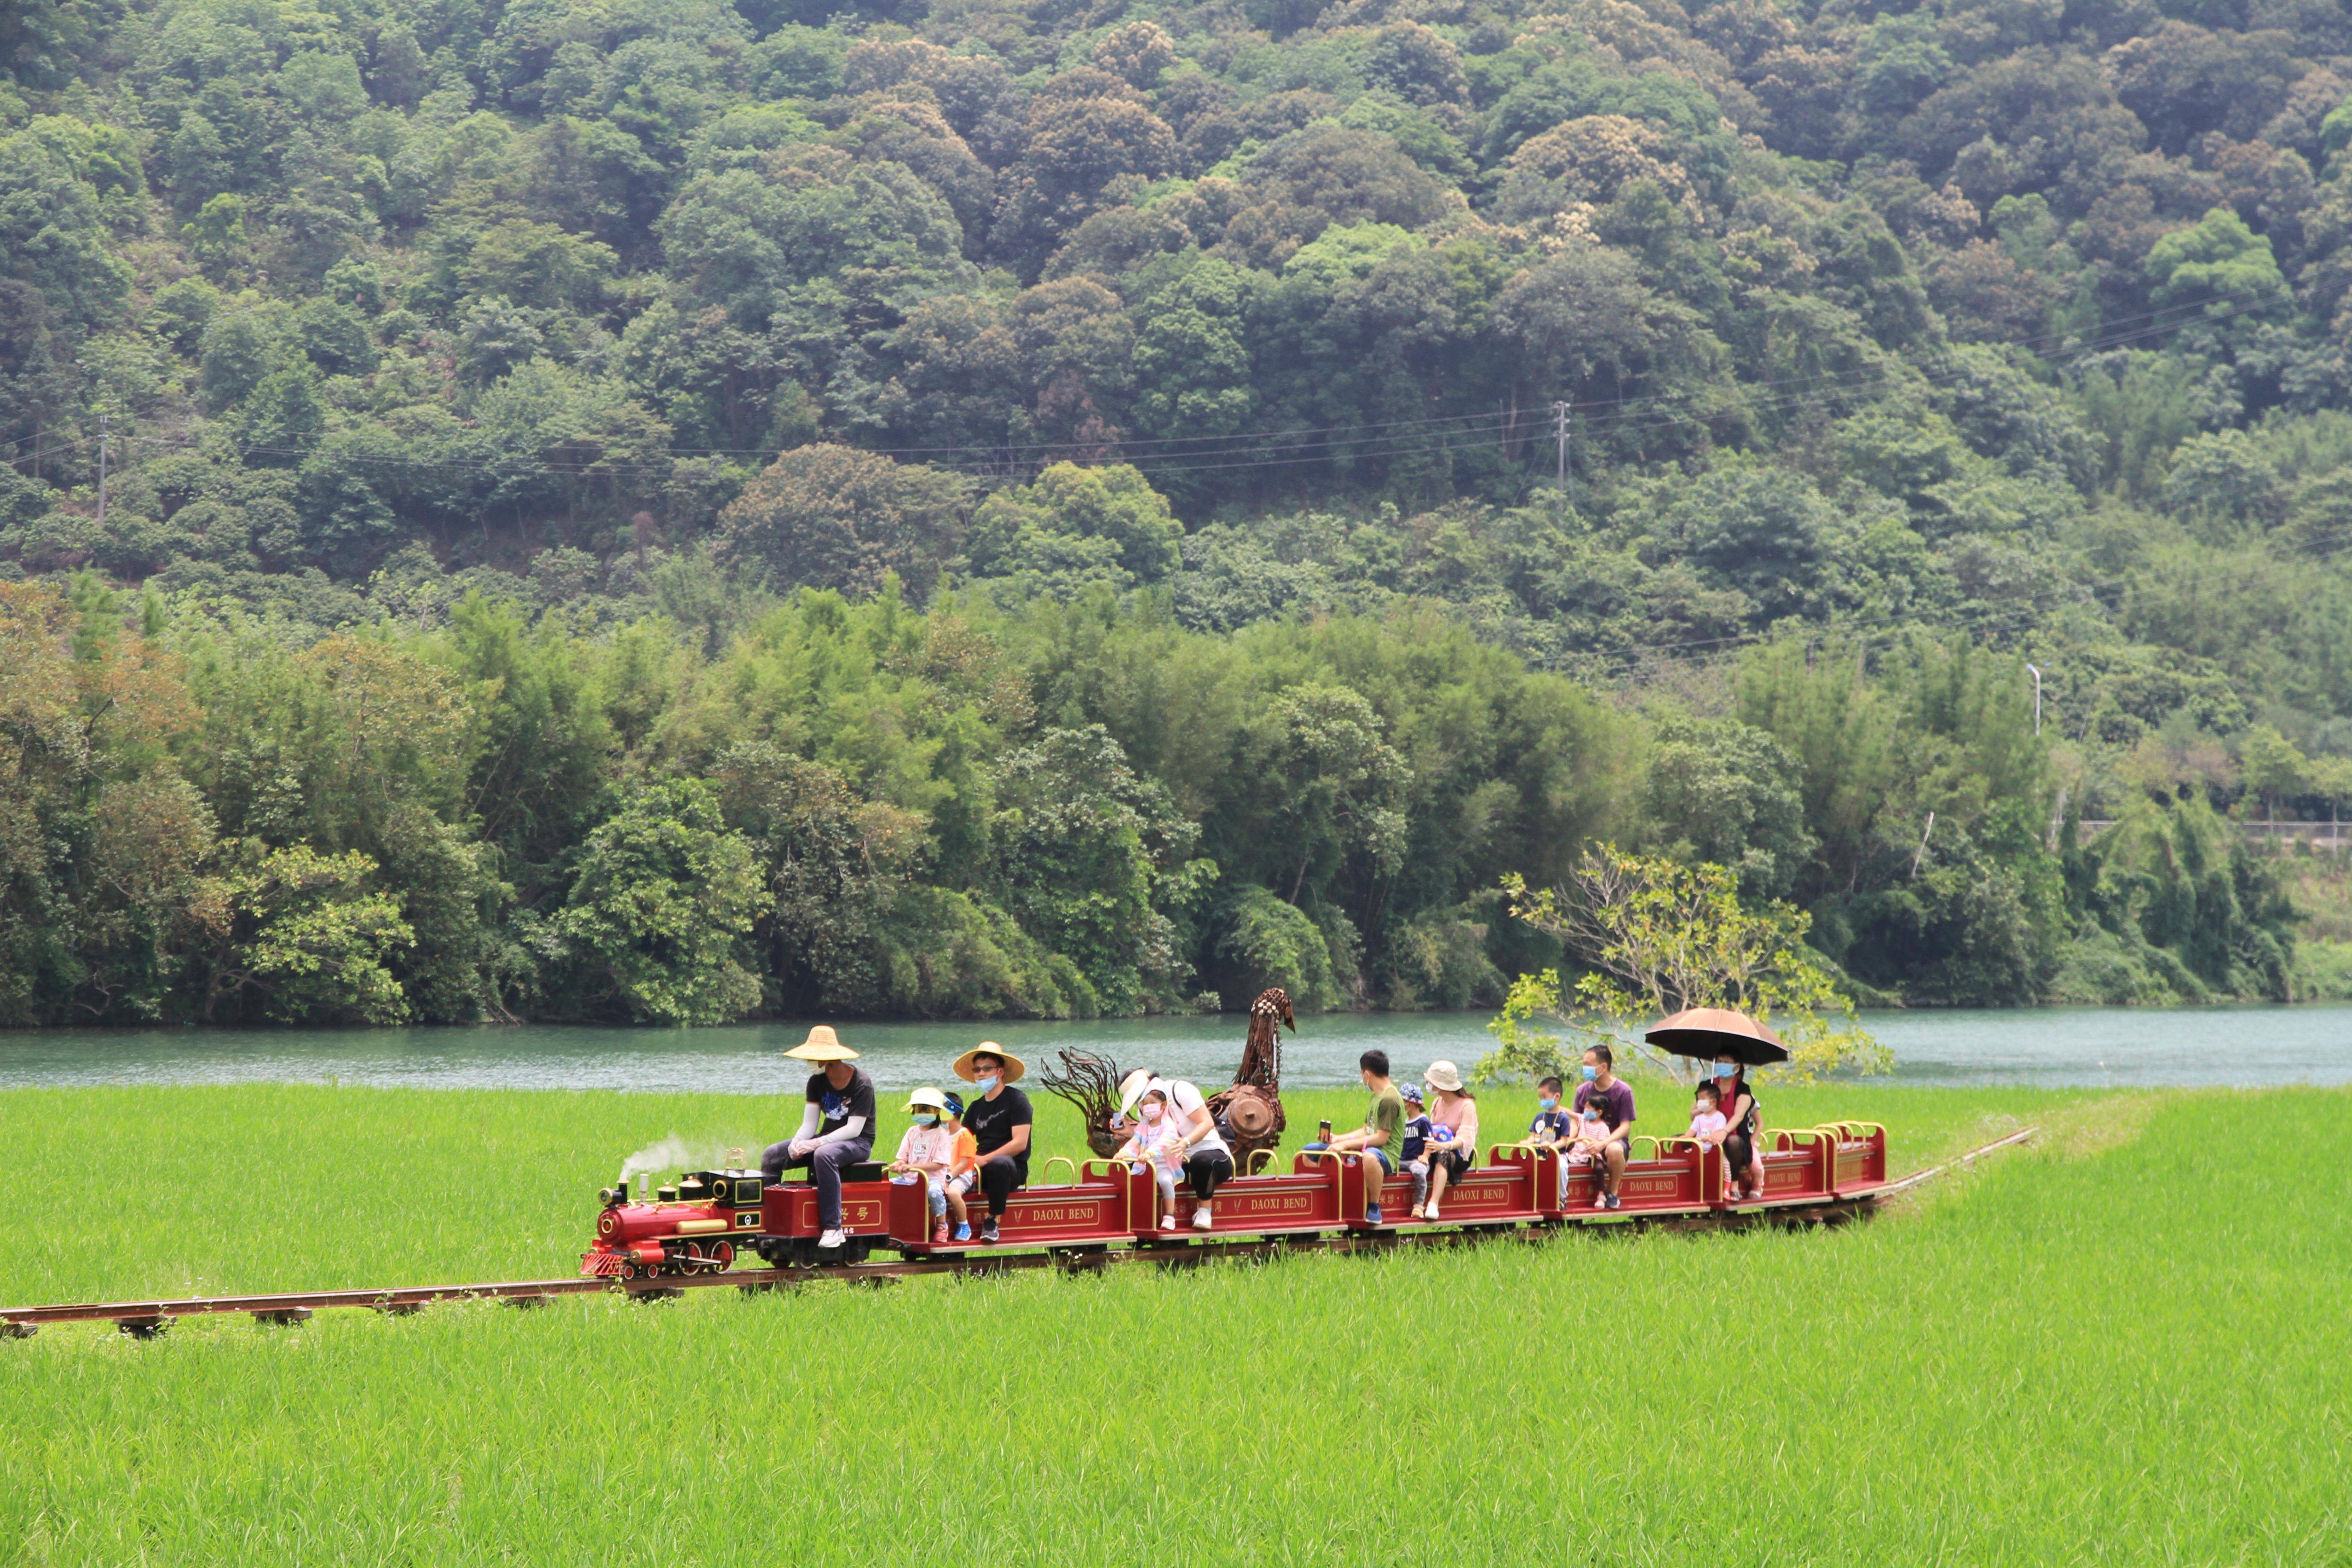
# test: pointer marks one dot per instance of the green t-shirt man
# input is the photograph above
(1386, 1114)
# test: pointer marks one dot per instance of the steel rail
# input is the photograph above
(146, 1317)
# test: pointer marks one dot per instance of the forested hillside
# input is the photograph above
(658, 509)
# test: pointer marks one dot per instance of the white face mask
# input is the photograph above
(987, 1082)
(1151, 1113)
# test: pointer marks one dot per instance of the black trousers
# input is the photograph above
(824, 1167)
(1737, 1152)
(999, 1176)
(1206, 1169)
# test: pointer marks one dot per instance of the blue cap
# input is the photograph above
(1410, 1091)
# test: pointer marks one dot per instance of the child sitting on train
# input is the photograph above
(1551, 1125)
(1706, 1120)
(925, 1153)
(963, 1167)
(1412, 1156)
(1156, 1138)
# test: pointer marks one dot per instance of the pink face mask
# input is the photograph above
(1151, 1113)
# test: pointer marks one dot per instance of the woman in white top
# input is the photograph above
(1456, 1110)
(1208, 1163)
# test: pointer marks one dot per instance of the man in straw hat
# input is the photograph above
(999, 1120)
(836, 1130)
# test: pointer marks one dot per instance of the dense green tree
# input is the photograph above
(830, 516)
(662, 894)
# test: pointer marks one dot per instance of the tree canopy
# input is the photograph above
(892, 428)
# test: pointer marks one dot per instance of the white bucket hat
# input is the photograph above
(1135, 1085)
(1444, 1076)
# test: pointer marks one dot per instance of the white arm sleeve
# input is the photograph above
(809, 1121)
(843, 1133)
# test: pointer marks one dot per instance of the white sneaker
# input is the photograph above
(1168, 1222)
(1429, 1211)
(829, 1241)
(1200, 1217)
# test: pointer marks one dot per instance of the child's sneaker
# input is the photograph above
(1371, 1214)
(940, 1233)
(1421, 1211)
(1168, 1222)
(964, 1233)
(1610, 1202)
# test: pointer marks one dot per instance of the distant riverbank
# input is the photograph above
(2053, 1046)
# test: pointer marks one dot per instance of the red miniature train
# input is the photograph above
(697, 1225)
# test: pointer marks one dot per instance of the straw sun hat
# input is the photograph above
(823, 1046)
(1013, 1067)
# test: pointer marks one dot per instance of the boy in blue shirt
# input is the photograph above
(1551, 1125)
(1415, 1151)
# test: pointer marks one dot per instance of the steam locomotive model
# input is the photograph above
(697, 1225)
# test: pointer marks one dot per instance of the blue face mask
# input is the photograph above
(987, 1083)
(926, 1120)
(1591, 1073)
(1726, 1069)
(1547, 1103)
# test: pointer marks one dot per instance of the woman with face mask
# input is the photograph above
(1154, 1142)
(1743, 1174)
(1192, 1138)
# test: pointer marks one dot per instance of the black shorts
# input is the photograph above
(1457, 1163)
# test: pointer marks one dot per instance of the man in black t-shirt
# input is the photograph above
(836, 1128)
(999, 1118)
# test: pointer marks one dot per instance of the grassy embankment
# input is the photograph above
(2120, 1346)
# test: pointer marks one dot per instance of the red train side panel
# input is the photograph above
(789, 1209)
(1858, 1157)
(1087, 1213)
(1684, 1178)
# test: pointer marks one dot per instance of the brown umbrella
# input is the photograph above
(1708, 1033)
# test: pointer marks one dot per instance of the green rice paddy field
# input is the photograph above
(2126, 1344)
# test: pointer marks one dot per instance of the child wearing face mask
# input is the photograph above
(1156, 1139)
(925, 1155)
(1706, 1120)
(1415, 1151)
(1552, 1123)
(963, 1165)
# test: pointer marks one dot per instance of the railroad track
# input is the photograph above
(147, 1318)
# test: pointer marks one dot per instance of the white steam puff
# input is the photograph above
(674, 1153)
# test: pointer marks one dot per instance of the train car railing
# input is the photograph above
(1857, 1157)
(1796, 1166)
(1675, 1178)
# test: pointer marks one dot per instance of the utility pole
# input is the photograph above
(1559, 428)
(2037, 696)
(101, 473)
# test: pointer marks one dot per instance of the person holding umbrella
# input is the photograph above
(1737, 1137)
(1727, 1043)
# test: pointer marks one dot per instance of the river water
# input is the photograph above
(2047, 1046)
